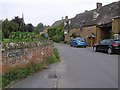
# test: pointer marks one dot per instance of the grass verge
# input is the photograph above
(18, 73)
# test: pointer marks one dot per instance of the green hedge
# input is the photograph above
(57, 38)
(56, 33)
(21, 73)
(22, 36)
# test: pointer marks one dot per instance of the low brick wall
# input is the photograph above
(20, 57)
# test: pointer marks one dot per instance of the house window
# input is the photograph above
(116, 36)
(65, 32)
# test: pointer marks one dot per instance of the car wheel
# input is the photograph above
(109, 51)
(76, 46)
(95, 49)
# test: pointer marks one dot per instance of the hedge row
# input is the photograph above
(24, 36)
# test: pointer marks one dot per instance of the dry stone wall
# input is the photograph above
(22, 54)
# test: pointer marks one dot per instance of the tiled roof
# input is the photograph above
(57, 23)
(96, 17)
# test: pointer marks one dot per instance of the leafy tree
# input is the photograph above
(8, 27)
(56, 33)
(29, 27)
(39, 28)
(20, 22)
(40, 25)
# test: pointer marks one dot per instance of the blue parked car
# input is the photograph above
(78, 42)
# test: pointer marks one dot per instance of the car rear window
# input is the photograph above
(83, 40)
(117, 41)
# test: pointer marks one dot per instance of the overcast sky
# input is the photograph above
(46, 11)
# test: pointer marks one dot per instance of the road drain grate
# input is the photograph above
(52, 76)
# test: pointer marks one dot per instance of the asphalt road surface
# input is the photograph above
(79, 68)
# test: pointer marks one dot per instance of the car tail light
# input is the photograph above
(83, 41)
(115, 45)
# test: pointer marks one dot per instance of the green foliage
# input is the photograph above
(57, 38)
(6, 40)
(56, 33)
(24, 37)
(8, 27)
(54, 57)
(0, 35)
(15, 25)
(0, 82)
(56, 53)
(29, 27)
(18, 73)
(39, 28)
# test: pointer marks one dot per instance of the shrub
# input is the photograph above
(56, 53)
(56, 33)
(20, 73)
(52, 59)
(57, 38)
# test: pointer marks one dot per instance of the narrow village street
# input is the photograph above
(79, 68)
(58, 44)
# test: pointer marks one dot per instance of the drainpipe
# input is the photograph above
(96, 35)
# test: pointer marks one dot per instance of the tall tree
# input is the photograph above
(8, 27)
(29, 27)
(39, 28)
(20, 22)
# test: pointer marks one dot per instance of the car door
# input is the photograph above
(105, 45)
(108, 43)
(101, 45)
(74, 42)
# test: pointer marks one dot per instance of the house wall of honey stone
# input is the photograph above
(100, 33)
(84, 32)
(116, 26)
(76, 31)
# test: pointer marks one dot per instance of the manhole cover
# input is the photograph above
(53, 75)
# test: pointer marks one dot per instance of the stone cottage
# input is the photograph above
(97, 24)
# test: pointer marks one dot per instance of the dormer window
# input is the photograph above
(95, 15)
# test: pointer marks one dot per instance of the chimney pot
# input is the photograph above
(66, 17)
(99, 5)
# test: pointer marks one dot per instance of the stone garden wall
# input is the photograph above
(22, 54)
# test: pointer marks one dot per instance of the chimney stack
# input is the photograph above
(86, 10)
(66, 17)
(98, 5)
